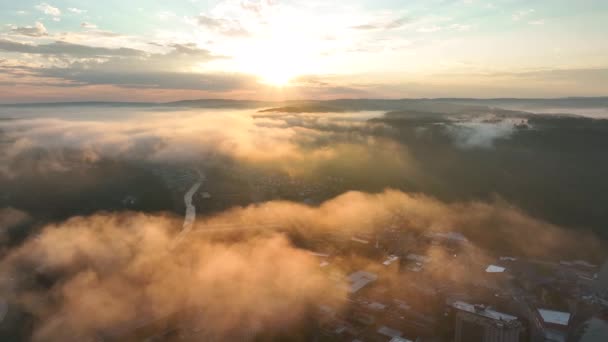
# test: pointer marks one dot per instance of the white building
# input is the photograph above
(360, 279)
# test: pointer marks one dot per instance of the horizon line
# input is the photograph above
(301, 100)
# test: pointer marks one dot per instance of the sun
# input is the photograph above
(277, 80)
(276, 69)
(276, 77)
(273, 62)
(275, 58)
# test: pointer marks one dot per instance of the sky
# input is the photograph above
(64, 50)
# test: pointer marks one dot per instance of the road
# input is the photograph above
(190, 214)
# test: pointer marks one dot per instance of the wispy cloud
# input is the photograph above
(537, 22)
(429, 29)
(66, 49)
(87, 25)
(48, 9)
(76, 10)
(519, 15)
(38, 30)
(221, 25)
(386, 25)
(460, 27)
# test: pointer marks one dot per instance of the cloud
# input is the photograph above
(236, 283)
(38, 30)
(48, 9)
(165, 15)
(481, 134)
(537, 22)
(460, 27)
(139, 77)
(429, 29)
(365, 27)
(67, 49)
(120, 266)
(128, 67)
(294, 143)
(522, 14)
(223, 26)
(257, 6)
(595, 77)
(358, 213)
(88, 25)
(76, 10)
(398, 23)
(387, 25)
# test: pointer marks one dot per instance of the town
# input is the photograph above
(416, 287)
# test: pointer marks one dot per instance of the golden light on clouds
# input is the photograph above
(380, 50)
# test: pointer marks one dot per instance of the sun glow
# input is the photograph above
(275, 63)
(276, 71)
(279, 51)
(277, 59)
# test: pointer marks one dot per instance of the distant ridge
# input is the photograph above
(81, 103)
(567, 102)
(221, 103)
(345, 104)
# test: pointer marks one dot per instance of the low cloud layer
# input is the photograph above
(119, 267)
(497, 225)
(293, 143)
(236, 278)
(481, 134)
(316, 155)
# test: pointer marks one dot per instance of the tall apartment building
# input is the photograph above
(477, 323)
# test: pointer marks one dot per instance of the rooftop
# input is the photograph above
(507, 258)
(495, 269)
(356, 239)
(390, 332)
(416, 257)
(399, 339)
(390, 260)
(360, 279)
(554, 317)
(483, 311)
(377, 306)
(454, 236)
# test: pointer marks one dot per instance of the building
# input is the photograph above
(359, 280)
(495, 269)
(601, 282)
(416, 262)
(447, 236)
(477, 323)
(555, 325)
(399, 339)
(389, 332)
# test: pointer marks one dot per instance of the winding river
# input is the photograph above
(190, 214)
